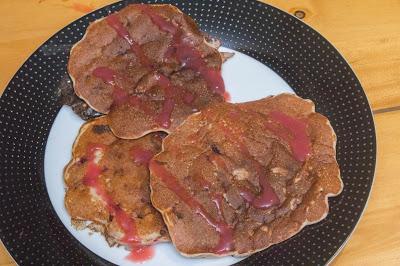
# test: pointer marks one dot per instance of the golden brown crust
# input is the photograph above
(102, 47)
(302, 187)
(126, 183)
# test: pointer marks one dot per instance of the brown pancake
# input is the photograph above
(108, 186)
(148, 66)
(237, 178)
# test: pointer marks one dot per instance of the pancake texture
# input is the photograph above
(108, 190)
(148, 67)
(235, 179)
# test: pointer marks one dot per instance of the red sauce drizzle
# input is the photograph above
(216, 197)
(186, 54)
(164, 117)
(294, 131)
(126, 223)
(225, 231)
(267, 196)
(108, 76)
(161, 22)
(247, 194)
(141, 156)
(227, 96)
(141, 254)
(120, 96)
(192, 59)
(105, 74)
(114, 22)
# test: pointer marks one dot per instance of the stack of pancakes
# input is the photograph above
(170, 160)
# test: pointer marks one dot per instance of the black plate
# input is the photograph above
(29, 226)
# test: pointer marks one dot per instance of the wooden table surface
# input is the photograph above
(366, 32)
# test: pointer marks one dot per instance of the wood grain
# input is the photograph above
(376, 240)
(366, 32)
(5, 259)
(26, 24)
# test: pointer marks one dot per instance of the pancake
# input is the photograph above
(108, 186)
(235, 179)
(148, 67)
